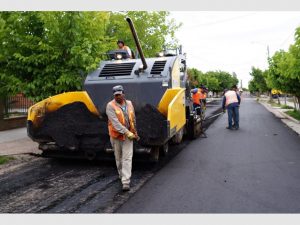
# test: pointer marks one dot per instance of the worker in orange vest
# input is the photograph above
(122, 132)
(196, 100)
(203, 95)
(122, 46)
(199, 97)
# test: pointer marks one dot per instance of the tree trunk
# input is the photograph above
(271, 99)
(1, 108)
(285, 99)
(298, 99)
(295, 102)
(278, 99)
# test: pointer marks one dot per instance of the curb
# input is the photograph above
(289, 117)
(283, 117)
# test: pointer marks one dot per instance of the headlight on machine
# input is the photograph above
(119, 56)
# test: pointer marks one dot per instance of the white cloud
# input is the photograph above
(234, 41)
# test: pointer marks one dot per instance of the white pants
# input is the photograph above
(123, 154)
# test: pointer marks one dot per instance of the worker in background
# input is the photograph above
(122, 46)
(196, 100)
(231, 102)
(122, 132)
(203, 95)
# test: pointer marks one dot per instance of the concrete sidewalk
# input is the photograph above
(16, 141)
(280, 113)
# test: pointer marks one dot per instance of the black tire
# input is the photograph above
(164, 150)
(154, 155)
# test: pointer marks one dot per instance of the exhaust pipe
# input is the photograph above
(137, 42)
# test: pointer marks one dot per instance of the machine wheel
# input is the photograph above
(164, 150)
(191, 128)
(178, 137)
(154, 154)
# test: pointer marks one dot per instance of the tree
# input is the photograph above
(225, 79)
(216, 81)
(194, 76)
(284, 71)
(46, 53)
(258, 82)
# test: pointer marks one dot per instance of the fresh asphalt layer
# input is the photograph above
(253, 170)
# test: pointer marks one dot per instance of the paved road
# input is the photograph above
(42, 185)
(253, 170)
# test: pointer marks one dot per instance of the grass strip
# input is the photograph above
(294, 113)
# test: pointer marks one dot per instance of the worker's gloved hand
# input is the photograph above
(130, 135)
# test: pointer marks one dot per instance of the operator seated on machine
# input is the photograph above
(122, 46)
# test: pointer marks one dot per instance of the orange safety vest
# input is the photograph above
(202, 95)
(112, 131)
(231, 97)
(196, 98)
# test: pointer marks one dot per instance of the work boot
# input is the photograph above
(126, 187)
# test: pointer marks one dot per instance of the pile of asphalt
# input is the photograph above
(74, 126)
(151, 126)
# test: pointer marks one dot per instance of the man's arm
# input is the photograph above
(223, 102)
(111, 114)
(239, 98)
(128, 51)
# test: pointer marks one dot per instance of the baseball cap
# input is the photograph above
(117, 90)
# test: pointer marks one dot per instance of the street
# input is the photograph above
(43, 185)
(252, 170)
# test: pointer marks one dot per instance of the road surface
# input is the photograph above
(42, 185)
(253, 170)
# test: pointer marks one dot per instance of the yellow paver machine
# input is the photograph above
(156, 85)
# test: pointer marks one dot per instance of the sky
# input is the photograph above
(234, 41)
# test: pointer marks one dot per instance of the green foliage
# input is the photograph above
(294, 113)
(286, 107)
(216, 81)
(194, 76)
(284, 69)
(258, 82)
(5, 159)
(46, 53)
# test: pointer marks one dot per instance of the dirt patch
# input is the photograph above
(17, 162)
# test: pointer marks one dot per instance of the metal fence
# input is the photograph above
(16, 106)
